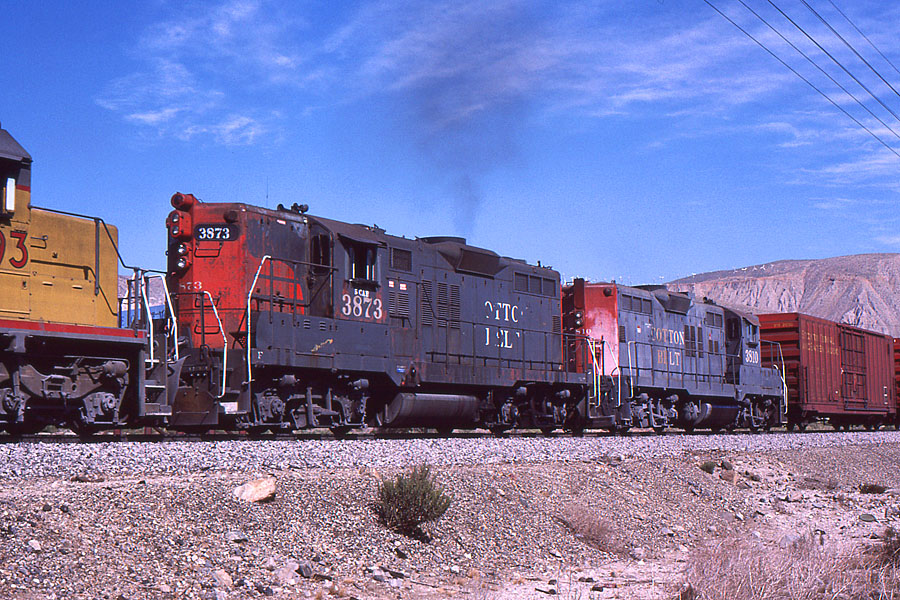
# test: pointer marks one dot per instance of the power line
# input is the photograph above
(880, 53)
(816, 65)
(807, 81)
(834, 60)
(850, 46)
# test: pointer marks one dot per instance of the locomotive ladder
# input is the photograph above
(592, 347)
(592, 344)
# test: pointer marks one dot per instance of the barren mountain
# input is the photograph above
(156, 294)
(861, 290)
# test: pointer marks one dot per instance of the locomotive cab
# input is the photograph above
(742, 343)
(759, 389)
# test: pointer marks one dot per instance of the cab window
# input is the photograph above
(363, 262)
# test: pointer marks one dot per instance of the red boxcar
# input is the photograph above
(833, 371)
(897, 378)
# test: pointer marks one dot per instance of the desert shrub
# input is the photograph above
(747, 569)
(887, 553)
(411, 499)
(709, 466)
(591, 527)
(872, 488)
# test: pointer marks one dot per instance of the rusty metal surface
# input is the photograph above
(832, 369)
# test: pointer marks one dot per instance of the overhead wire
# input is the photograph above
(823, 71)
(834, 60)
(850, 46)
(807, 81)
(865, 37)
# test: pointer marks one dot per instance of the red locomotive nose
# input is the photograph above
(183, 201)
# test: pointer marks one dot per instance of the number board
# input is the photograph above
(218, 232)
(359, 304)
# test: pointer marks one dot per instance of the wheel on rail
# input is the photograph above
(340, 432)
(499, 430)
(547, 431)
(660, 430)
(255, 432)
(24, 428)
(445, 431)
(83, 430)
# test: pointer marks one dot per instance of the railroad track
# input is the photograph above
(148, 435)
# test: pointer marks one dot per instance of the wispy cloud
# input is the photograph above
(198, 69)
(468, 76)
(889, 240)
(464, 60)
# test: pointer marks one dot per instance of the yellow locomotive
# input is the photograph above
(63, 360)
(54, 267)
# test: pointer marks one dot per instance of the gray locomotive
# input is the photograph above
(287, 321)
(659, 359)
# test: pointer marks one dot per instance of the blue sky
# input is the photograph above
(639, 141)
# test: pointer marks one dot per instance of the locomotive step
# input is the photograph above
(155, 409)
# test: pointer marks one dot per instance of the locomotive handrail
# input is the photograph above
(596, 378)
(695, 374)
(149, 318)
(628, 346)
(221, 330)
(224, 344)
(173, 320)
(313, 293)
(781, 372)
(619, 380)
(249, 299)
(99, 221)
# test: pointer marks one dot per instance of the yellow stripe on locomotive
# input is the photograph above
(53, 267)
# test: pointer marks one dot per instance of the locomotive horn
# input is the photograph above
(183, 201)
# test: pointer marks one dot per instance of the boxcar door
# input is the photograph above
(853, 370)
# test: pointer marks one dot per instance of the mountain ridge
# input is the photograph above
(859, 289)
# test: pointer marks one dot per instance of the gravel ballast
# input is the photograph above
(37, 459)
(136, 521)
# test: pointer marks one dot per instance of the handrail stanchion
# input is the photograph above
(149, 320)
(249, 297)
(224, 343)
